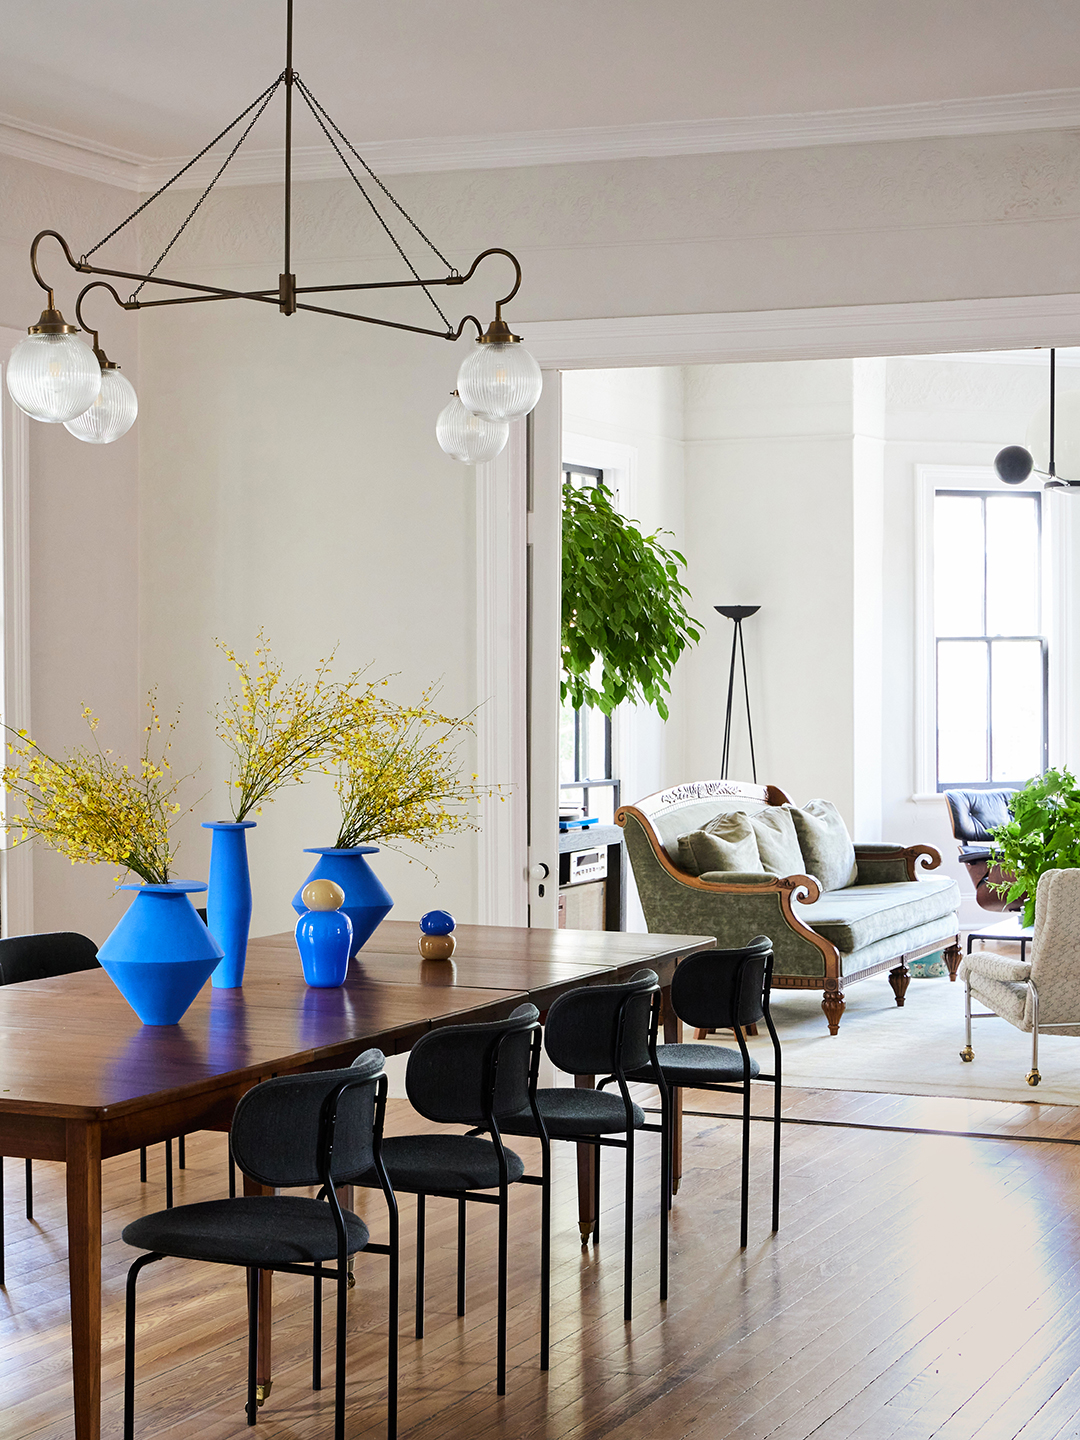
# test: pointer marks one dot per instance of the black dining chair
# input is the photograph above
(294, 1130)
(473, 1075)
(598, 1029)
(720, 989)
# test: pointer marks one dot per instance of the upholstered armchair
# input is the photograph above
(1042, 993)
(974, 813)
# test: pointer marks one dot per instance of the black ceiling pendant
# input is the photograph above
(1015, 463)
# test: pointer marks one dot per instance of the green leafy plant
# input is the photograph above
(622, 603)
(1043, 834)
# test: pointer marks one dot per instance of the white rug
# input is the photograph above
(913, 1051)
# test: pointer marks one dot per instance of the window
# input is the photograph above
(586, 775)
(990, 650)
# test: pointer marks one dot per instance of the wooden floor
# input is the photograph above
(919, 1286)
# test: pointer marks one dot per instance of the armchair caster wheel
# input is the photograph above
(967, 1054)
(262, 1393)
(1033, 1077)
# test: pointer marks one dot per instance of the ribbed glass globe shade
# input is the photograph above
(111, 415)
(499, 381)
(53, 377)
(467, 437)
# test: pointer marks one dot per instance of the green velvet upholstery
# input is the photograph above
(863, 914)
(777, 841)
(880, 864)
(695, 815)
(729, 842)
(827, 851)
(882, 951)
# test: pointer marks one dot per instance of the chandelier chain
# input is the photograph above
(318, 112)
(269, 91)
(224, 165)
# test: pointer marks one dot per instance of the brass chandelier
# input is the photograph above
(55, 377)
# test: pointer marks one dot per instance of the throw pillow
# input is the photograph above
(777, 841)
(827, 851)
(726, 843)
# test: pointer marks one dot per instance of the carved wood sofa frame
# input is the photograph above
(787, 888)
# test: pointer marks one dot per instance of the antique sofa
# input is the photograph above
(822, 939)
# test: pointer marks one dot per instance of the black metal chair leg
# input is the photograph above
(545, 1260)
(3, 1271)
(776, 1133)
(596, 1195)
(339, 1350)
(232, 1178)
(181, 1152)
(392, 1327)
(252, 1406)
(665, 1166)
(461, 1256)
(316, 1332)
(744, 1204)
(420, 1266)
(29, 1189)
(129, 1342)
(500, 1376)
(168, 1176)
(142, 1164)
(628, 1236)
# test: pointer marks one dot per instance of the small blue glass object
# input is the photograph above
(437, 922)
(324, 939)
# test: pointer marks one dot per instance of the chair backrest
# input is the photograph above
(40, 957)
(461, 1074)
(278, 1126)
(602, 1028)
(719, 989)
(675, 812)
(974, 813)
(1055, 949)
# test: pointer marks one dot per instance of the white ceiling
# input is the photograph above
(153, 79)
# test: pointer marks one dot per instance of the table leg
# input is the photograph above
(84, 1273)
(587, 1159)
(673, 1036)
(263, 1376)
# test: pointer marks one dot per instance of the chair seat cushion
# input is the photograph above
(1006, 998)
(442, 1162)
(856, 917)
(707, 1064)
(569, 1112)
(250, 1230)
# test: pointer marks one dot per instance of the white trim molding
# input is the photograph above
(17, 869)
(984, 115)
(503, 894)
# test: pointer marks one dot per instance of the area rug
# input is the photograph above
(913, 1051)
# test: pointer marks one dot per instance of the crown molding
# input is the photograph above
(828, 332)
(1001, 114)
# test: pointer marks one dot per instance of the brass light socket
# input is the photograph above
(52, 323)
(499, 333)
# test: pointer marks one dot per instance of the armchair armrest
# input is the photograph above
(880, 863)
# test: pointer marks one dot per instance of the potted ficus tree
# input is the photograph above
(1043, 834)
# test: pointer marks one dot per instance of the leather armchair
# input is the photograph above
(974, 813)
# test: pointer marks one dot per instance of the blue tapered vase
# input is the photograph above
(367, 900)
(161, 954)
(228, 905)
(324, 939)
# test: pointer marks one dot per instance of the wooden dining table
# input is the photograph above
(81, 1079)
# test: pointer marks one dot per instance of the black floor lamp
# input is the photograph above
(738, 613)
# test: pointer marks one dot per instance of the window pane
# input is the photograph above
(1012, 565)
(1016, 705)
(961, 712)
(958, 565)
(566, 745)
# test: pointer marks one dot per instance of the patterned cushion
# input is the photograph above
(727, 843)
(996, 967)
(778, 844)
(827, 851)
(859, 916)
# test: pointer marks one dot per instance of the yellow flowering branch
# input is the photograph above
(277, 729)
(91, 806)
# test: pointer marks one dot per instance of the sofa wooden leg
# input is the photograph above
(900, 979)
(832, 1002)
(952, 957)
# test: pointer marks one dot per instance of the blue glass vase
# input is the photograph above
(161, 954)
(367, 901)
(228, 905)
(324, 939)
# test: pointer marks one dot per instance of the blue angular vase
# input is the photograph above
(324, 939)
(161, 954)
(367, 900)
(228, 905)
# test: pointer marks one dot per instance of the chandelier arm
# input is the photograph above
(55, 235)
(496, 250)
(449, 334)
(194, 160)
(268, 297)
(94, 285)
(311, 104)
(215, 292)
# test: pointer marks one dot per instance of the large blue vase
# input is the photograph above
(228, 905)
(161, 954)
(366, 898)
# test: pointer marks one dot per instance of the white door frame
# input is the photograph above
(17, 867)
(840, 331)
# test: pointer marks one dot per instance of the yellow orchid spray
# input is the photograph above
(93, 807)
(278, 729)
(399, 777)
